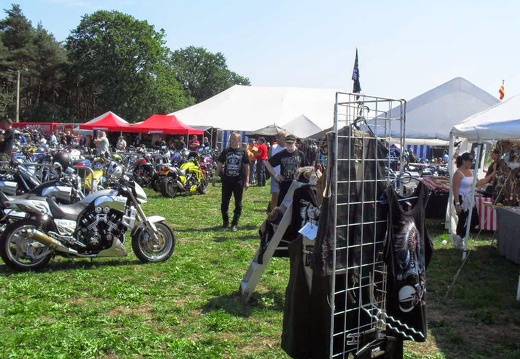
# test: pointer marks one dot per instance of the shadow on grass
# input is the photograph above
(74, 264)
(233, 304)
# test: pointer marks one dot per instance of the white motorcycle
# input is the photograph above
(92, 227)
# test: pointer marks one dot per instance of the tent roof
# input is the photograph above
(302, 127)
(439, 109)
(166, 124)
(499, 122)
(108, 121)
(247, 108)
(270, 130)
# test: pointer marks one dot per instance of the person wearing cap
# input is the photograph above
(462, 192)
(6, 140)
(289, 160)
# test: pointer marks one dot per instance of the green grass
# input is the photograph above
(188, 307)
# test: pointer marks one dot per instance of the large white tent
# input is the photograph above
(499, 122)
(246, 108)
(433, 114)
(429, 116)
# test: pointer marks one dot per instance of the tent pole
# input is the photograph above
(471, 201)
(450, 210)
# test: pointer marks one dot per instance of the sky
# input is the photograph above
(405, 47)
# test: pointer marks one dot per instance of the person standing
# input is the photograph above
(6, 140)
(102, 144)
(289, 160)
(462, 192)
(252, 161)
(261, 157)
(490, 189)
(194, 144)
(275, 185)
(121, 144)
(180, 144)
(233, 166)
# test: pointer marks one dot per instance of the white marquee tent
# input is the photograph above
(246, 108)
(433, 114)
(499, 122)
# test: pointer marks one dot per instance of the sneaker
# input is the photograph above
(225, 224)
(234, 228)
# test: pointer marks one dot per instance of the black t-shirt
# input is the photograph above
(233, 160)
(407, 251)
(289, 162)
(6, 146)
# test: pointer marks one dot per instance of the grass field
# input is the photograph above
(188, 307)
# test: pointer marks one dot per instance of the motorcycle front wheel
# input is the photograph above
(142, 175)
(19, 251)
(149, 249)
(202, 189)
(156, 183)
(169, 187)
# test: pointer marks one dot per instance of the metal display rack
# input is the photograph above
(364, 129)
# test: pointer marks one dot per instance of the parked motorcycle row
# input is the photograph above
(173, 173)
(65, 202)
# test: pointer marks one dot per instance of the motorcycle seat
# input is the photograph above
(4, 199)
(66, 211)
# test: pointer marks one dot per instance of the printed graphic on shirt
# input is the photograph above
(233, 164)
(290, 165)
(410, 267)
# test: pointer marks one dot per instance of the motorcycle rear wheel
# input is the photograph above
(147, 249)
(20, 252)
(169, 187)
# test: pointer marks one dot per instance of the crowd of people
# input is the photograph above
(242, 165)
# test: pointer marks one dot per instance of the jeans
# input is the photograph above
(260, 172)
(237, 190)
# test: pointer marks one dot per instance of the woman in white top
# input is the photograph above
(462, 191)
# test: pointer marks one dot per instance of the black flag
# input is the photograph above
(355, 76)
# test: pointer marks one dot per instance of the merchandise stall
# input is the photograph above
(500, 126)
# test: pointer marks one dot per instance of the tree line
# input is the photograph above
(109, 62)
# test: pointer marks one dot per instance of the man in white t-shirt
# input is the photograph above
(102, 144)
(275, 185)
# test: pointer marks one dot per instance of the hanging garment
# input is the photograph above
(407, 252)
(353, 240)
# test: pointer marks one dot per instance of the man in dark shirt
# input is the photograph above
(6, 141)
(289, 160)
(233, 166)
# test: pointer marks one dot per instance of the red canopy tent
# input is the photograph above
(166, 124)
(108, 121)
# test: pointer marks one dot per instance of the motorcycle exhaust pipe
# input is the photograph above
(49, 241)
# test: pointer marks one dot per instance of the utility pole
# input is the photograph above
(18, 98)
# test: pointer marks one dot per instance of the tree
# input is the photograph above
(204, 74)
(17, 53)
(121, 64)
